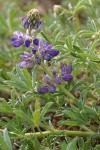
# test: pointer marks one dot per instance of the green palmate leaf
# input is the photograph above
(34, 76)
(87, 145)
(17, 82)
(7, 139)
(23, 116)
(76, 116)
(57, 36)
(90, 56)
(28, 77)
(72, 145)
(13, 98)
(24, 75)
(45, 110)
(70, 123)
(36, 114)
(20, 74)
(87, 33)
(69, 43)
(76, 48)
(63, 146)
(3, 145)
(5, 107)
(81, 143)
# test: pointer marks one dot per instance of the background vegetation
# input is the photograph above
(24, 114)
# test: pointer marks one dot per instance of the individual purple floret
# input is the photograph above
(43, 90)
(26, 56)
(27, 61)
(57, 80)
(52, 89)
(46, 50)
(20, 39)
(66, 69)
(67, 77)
(26, 64)
(38, 60)
(66, 73)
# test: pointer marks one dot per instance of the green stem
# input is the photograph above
(64, 132)
(86, 128)
(58, 132)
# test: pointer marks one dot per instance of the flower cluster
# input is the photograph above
(49, 86)
(58, 78)
(39, 51)
(33, 21)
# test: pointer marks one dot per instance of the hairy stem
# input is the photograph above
(63, 132)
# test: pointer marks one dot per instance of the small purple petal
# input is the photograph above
(33, 50)
(38, 60)
(13, 39)
(36, 42)
(31, 25)
(26, 64)
(26, 56)
(67, 77)
(54, 73)
(18, 34)
(46, 57)
(48, 48)
(43, 90)
(41, 43)
(52, 89)
(63, 69)
(45, 45)
(48, 80)
(24, 18)
(25, 24)
(57, 80)
(41, 26)
(17, 42)
(53, 52)
(68, 69)
(27, 43)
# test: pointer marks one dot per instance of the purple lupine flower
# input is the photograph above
(52, 89)
(66, 69)
(38, 60)
(25, 22)
(33, 21)
(26, 56)
(57, 80)
(46, 50)
(26, 64)
(33, 49)
(67, 77)
(20, 39)
(27, 43)
(39, 26)
(36, 42)
(27, 61)
(17, 42)
(43, 90)
(53, 52)
(66, 73)
(54, 73)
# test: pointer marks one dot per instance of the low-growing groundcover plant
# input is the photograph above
(55, 85)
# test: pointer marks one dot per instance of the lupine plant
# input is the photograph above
(55, 84)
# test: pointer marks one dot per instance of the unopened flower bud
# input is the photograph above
(32, 20)
(57, 9)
